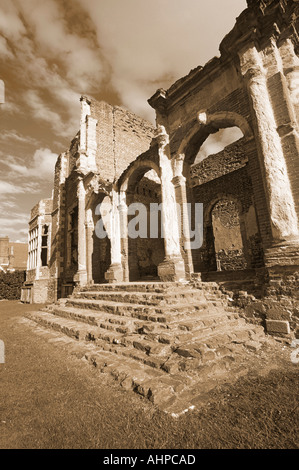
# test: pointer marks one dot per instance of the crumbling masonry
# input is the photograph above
(249, 191)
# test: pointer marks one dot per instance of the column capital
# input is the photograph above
(80, 188)
(251, 64)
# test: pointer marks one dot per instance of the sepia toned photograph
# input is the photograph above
(149, 228)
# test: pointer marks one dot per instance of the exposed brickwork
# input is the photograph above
(230, 159)
(121, 137)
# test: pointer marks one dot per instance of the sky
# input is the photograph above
(54, 51)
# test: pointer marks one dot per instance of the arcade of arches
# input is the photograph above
(247, 187)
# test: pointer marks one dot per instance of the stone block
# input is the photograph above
(278, 312)
(114, 273)
(172, 269)
(278, 326)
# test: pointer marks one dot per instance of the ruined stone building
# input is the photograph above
(13, 255)
(249, 190)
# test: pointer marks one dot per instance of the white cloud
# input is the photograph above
(15, 188)
(12, 221)
(4, 49)
(152, 43)
(10, 108)
(10, 23)
(15, 226)
(217, 142)
(78, 55)
(42, 111)
(13, 135)
(42, 164)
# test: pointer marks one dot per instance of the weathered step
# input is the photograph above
(104, 320)
(157, 343)
(84, 332)
(187, 320)
(151, 287)
(158, 287)
(154, 384)
(150, 353)
(152, 313)
(164, 333)
(144, 298)
(241, 333)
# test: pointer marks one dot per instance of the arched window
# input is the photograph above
(215, 143)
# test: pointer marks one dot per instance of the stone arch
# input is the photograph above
(207, 124)
(141, 255)
(98, 252)
(135, 172)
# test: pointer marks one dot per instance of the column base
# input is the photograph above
(114, 274)
(80, 278)
(172, 270)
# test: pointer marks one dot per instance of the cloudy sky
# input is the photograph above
(52, 51)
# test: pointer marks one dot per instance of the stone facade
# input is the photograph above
(13, 255)
(249, 191)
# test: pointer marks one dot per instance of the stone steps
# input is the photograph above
(149, 342)
(190, 322)
(158, 331)
(151, 287)
(161, 312)
(178, 361)
(170, 333)
(143, 298)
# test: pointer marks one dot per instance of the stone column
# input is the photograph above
(123, 220)
(88, 142)
(281, 207)
(290, 64)
(115, 271)
(179, 182)
(89, 229)
(173, 267)
(39, 250)
(81, 276)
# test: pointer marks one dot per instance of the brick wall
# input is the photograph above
(121, 137)
(234, 186)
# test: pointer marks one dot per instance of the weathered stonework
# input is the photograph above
(253, 85)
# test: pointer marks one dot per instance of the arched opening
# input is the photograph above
(216, 169)
(217, 142)
(210, 155)
(98, 245)
(227, 236)
(145, 248)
